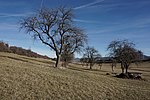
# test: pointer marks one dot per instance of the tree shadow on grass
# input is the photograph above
(93, 71)
(45, 62)
(25, 60)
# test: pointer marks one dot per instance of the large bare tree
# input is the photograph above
(55, 28)
(124, 52)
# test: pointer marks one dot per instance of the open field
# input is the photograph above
(33, 78)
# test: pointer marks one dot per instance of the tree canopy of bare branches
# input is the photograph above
(91, 56)
(124, 52)
(55, 28)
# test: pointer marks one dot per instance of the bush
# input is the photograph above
(130, 75)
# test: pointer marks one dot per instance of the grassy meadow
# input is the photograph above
(25, 78)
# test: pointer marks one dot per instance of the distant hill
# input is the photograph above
(146, 57)
(108, 59)
(4, 47)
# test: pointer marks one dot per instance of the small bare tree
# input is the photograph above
(124, 52)
(66, 57)
(73, 43)
(91, 55)
(52, 26)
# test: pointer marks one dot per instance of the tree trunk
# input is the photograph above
(122, 67)
(57, 61)
(90, 66)
(112, 66)
(65, 63)
(126, 66)
(126, 70)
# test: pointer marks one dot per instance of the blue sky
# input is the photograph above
(102, 20)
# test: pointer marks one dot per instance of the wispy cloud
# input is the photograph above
(14, 3)
(41, 3)
(15, 15)
(135, 25)
(7, 26)
(88, 5)
(112, 5)
(87, 21)
(94, 22)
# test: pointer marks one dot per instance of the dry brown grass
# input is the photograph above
(32, 78)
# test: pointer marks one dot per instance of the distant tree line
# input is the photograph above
(4, 47)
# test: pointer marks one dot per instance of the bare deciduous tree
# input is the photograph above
(91, 55)
(124, 52)
(52, 27)
(66, 57)
(73, 43)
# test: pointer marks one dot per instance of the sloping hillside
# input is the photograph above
(33, 78)
(4, 47)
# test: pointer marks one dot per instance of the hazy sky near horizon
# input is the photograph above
(102, 20)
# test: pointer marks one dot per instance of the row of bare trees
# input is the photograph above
(121, 51)
(56, 29)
